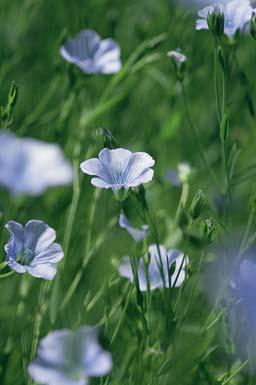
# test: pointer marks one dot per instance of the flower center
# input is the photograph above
(26, 257)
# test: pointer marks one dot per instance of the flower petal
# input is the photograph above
(97, 362)
(51, 255)
(16, 266)
(44, 271)
(48, 375)
(137, 235)
(92, 167)
(38, 236)
(145, 177)
(17, 232)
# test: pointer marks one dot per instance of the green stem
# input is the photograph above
(196, 139)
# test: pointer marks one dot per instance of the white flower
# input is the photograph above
(29, 166)
(237, 15)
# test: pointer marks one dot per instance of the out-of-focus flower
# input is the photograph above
(91, 54)
(70, 358)
(137, 235)
(237, 14)
(159, 268)
(119, 168)
(29, 166)
(179, 62)
(32, 249)
(180, 175)
(177, 56)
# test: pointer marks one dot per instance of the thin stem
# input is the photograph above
(196, 139)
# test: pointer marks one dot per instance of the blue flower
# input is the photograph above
(32, 249)
(237, 15)
(157, 269)
(137, 235)
(119, 168)
(29, 166)
(70, 358)
(91, 54)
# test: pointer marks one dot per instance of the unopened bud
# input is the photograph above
(224, 129)
(198, 204)
(216, 22)
(253, 25)
(108, 139)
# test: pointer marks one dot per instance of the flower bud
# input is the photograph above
(179, 63)
(108, 139)
(7, 112)
(216, 22)
(198, 205)
(224, 129)
(253, 25)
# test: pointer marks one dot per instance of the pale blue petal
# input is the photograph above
(145, 177)
(17, 232)
(139, 163)
(38, 236)
(44, 271)
(55, 347)
(111, 67)
(100, 183)
(50, 255)
(137, 235)
(96, 362)
(16, 266)
(125, 269)
(48, 375)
